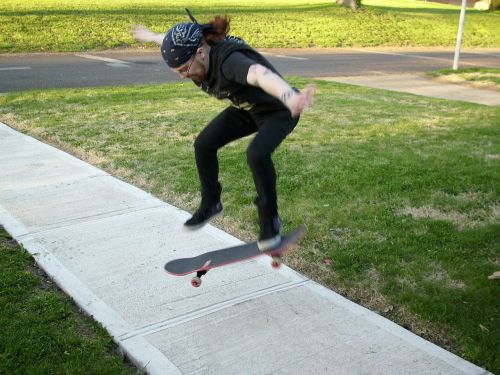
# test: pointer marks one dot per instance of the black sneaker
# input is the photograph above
(270, 234)
(203, 215)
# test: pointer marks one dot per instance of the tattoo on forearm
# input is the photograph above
(266, 72)
(287, 95)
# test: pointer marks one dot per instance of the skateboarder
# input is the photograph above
(262, 102)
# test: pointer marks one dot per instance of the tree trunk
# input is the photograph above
(353, 4)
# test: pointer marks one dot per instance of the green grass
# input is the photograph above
(64, 25)
(478, 77)
(400, 193)
(42, 331)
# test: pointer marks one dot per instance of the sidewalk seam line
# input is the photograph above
(87, 219)
(199, 313)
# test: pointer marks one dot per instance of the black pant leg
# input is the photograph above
(273, 129)
(229, 125)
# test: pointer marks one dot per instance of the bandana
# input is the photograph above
(180, 43)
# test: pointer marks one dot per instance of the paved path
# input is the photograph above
(419, 85)
(110, 68)
(104, 242)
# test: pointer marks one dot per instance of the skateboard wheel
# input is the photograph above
(196, 282)
(276, 262)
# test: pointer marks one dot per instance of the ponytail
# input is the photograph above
(216, 30)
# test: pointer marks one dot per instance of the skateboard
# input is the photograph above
(218, 258)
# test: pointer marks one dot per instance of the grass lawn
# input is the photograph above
(400, 193)
(69, 25)
(488, 78)
(43, 331)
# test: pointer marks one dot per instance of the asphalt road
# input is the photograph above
(39, 71)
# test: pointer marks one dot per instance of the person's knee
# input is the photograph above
(252, 155)
(256, 155)
(202, 144)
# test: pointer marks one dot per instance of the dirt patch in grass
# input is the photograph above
(472, 219)
(472, 80)
(492, 157)
(438, 274)
(481, 78)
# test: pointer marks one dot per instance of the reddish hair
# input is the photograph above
(218, 30)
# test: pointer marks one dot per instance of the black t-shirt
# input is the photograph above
(235, 69)
(227, 78)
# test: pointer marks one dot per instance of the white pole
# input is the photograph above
(459, 35)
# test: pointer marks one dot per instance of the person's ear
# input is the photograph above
(204, 51)
(201, 52)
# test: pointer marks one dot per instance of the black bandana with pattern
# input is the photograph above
(180, 43)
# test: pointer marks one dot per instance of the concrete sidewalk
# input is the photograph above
(105, 242)
(419, 85)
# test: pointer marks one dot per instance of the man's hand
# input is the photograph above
(260, 76)
(143, 34)
(298, 102)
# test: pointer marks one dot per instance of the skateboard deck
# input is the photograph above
(218, 258)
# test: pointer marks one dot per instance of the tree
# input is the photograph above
(353, 4)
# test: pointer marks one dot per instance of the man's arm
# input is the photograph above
(273, 84)
(143, 34)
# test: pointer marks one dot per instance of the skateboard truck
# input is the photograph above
(196, 280)
(276, 261)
